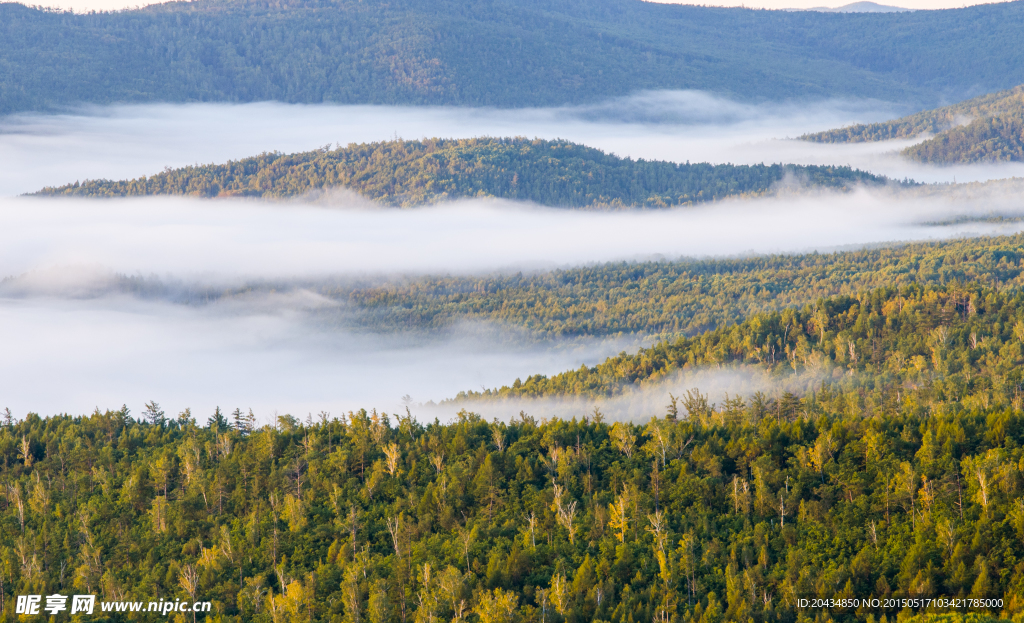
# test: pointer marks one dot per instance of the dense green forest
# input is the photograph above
(496, 52)
(899, 478)
(410, 173)
(989, 128)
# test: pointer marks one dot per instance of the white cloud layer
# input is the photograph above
(232, 240)
(83, 6)
(69, 344)
(71, 355)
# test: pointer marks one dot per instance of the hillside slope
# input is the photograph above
(988, 139)
(409, 173)
(1008, 102)
(962, 342)
(496, 52)
(989, 128)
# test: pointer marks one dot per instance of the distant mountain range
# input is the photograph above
(504, 53)
(861, 7)
(410, 173)
(989, 128)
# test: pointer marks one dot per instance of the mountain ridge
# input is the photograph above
(496, 53)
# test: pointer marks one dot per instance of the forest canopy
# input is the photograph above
(959, 342)
(896, 475)
(409, 173)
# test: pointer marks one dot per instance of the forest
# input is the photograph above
(987, 139)
(495, 53)
(989, 128)
(1002, 103)
(666, 300)
(898, 477)
(411, 173)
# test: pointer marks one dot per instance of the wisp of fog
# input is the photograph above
(640, 403)
(118, 142)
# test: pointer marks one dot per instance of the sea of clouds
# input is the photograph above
(73, 340)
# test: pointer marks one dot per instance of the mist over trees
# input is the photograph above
(989, 128)
(959, 342)
(1002, 103)
(897, 473)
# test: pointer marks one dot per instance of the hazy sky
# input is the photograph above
(111, 5)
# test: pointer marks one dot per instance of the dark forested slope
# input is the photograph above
(989, 128)
(408, 173)
(496, 52)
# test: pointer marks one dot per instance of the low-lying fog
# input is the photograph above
(71, 341)
(224, 241)
(71, 355)
(119, 142)
(639, 404)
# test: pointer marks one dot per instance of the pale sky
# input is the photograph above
(80, 6)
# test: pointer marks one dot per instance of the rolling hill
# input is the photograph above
(496, 52)
(409, 173)
(989, 128)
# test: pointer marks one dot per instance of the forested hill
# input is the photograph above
(1008, 102)
(408, 173)
(956, 345)
(989, 128)
(988, 139)
(496, 52)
